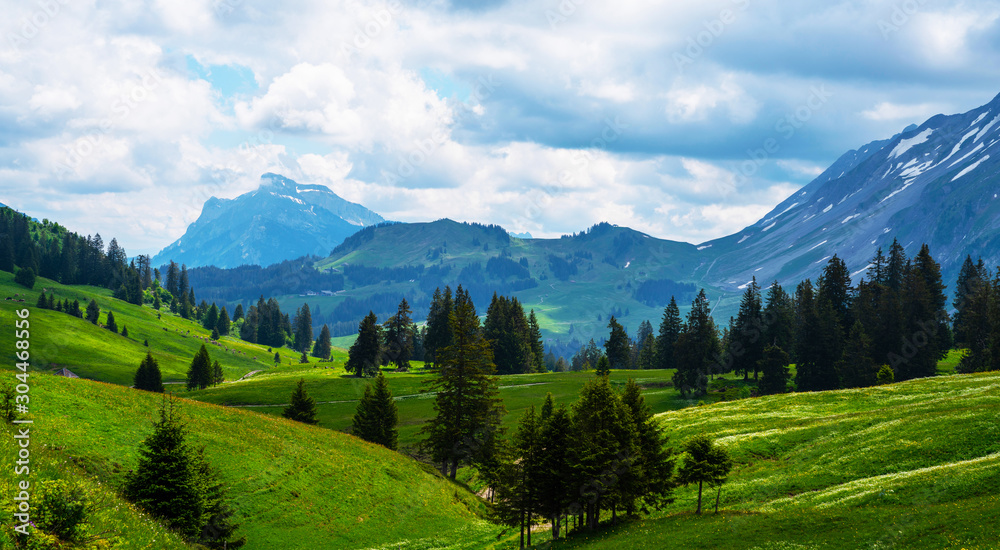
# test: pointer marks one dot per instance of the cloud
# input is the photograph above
(568, 113)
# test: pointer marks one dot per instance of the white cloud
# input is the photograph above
(698, 103)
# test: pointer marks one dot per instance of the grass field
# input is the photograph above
(292, 485)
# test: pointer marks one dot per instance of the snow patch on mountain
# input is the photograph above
(907, 144)
(971, 167)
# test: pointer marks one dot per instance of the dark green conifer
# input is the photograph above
(302, 407)
(377, 415)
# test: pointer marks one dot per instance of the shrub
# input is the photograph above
(885, 375)
(25, 277)
(62, 510)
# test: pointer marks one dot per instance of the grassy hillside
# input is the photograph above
(911, 465)
(292, 485)
(64, 341)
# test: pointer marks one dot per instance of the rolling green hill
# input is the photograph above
(291, 485)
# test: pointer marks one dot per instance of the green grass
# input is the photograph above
(292, 485)
(89, 351)
(337, 393)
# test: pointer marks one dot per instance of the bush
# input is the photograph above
(62, 510)
(885, 375)
(25, 277)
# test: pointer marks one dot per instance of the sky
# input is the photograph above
(543, 116)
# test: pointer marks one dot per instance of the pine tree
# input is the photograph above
(238, 314)
(704, 463)
(277, 358)
(398, 338)
(774, 368)
(218, 528)
(603, 367)
(835, 286)
(42, 303)
(210, 317)
(75, 310)
(218, 376)
(524, 493)
(467, 402)
(655, 462)
(165, 483)
(223, 324)
(111, 324)
(535, 342)
(857, 369)
(779, 318)
(746, 337)
(604, 440)
(617, 345)
(695, 349)
(52, 301)
(322, 348)
(125, 331)
(506, 328)
(302, 407)
(670, 330)
(363, 357)
(303, 329)
(438, 327)
(819, 342)
(148, 376)
(647, 353)
(377, 415)
(970, 278)
(980, 322)
(553, 483)
(215, 335)
(199, 374)
(6, 253)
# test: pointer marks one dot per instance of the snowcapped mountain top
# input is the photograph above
(281, 220)
(933, 183)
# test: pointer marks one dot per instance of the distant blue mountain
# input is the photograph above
(281, 220)
(936, 183)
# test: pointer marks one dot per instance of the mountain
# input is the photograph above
(936, 183)
(279, 221)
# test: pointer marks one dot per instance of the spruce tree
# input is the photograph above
(25, 277)
(42, 303)
(223, 325)
(774, 370)
(555, 492)
(970, 278)
(238, 313)
(148, 376)
(857, 369)
(218, 529)
(376, 417)
(647, 353)
(165, 483)
(438, 324)
(467, 404)
(696, 349)
(779, 318)
(363, 357)
(302, 407)
(125, 331)
(199, 374)
(746, 337)
(218, 376)
(6, 253)
(617, 345)
(322, 349)
(398, 338)
(705, 463)
(111, 324)
(303, 329)
(215, 335)
(835, 286)
(655, 461)
(670, 330)
(535, 342)
(603, 367)
(210, 317)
